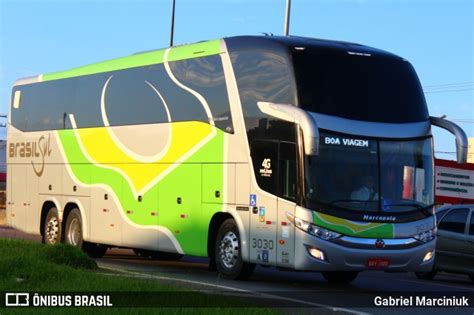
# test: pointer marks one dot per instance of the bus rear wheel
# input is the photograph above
(73, 236)
(340, 277)
(73, 230)
(51, 228)
(228, 253)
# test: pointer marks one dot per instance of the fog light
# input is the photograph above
(316, 253)
(428, 256)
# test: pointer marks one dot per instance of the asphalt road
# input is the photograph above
(305, 292)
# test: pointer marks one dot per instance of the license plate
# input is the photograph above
(378, 263)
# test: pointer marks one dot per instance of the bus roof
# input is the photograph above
(200, 49)
(322, 45)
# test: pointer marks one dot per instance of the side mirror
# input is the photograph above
(461, 138)
(298, 116)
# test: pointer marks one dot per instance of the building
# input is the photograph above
(470, 151)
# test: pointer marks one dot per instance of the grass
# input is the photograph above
(26, 266)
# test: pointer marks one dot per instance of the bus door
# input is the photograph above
(263, 203)
(287, 174)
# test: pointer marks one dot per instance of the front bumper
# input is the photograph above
(343, 258)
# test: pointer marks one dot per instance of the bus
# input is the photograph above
(294, 152)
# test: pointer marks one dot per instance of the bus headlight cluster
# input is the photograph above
(425, 236)
(315, 230)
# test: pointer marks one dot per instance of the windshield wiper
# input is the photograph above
(350, 200)
(412, 204)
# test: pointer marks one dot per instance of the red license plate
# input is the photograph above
(378, 263)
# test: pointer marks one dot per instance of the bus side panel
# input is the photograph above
(242, 199)
(180, 209)
(9, 205)
(105, 219)
(18, 215)
(142, 208)
(285, 234)
(71, 187)
(50, 181)
(34, 207)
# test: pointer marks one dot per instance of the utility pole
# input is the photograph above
(172, 24)
(286, 29)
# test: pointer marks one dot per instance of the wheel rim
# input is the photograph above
(74, 232)
(52, 230)
(229, 249)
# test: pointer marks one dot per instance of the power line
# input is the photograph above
(463, 120)
(448, 91)
(449, 87)
(436, 86)
(445, 152)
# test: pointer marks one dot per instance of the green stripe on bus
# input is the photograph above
(376, 230)
(192, 239)
(196, 50)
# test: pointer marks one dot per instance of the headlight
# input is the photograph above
(315, 230)
(426, 236)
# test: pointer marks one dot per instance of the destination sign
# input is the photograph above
(346, 142)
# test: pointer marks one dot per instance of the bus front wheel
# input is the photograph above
(340, 277)
(228, 253)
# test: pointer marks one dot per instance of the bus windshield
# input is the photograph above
(371, 175)
(359, 86)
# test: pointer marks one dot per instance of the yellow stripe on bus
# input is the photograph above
(100, 147)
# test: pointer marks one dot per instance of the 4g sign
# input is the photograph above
(266, 171)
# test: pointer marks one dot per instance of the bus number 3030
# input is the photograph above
(262, 243)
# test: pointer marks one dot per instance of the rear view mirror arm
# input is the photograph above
(298, 116)
(461, 137)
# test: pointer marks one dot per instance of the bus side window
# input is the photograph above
(265, 163)
(288, 170)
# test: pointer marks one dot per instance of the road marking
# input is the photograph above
(438, 284)
(272, 296)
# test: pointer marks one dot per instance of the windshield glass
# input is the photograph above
(355, 85)
(371, 175)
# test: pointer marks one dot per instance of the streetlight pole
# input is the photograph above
(286, 29)
(172, 23)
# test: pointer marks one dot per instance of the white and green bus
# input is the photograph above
(294, 152)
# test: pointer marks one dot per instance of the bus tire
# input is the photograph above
(228, 253)
(426, 275)
(73, 229)
(340, 277)
(94, 250)
(52, 228)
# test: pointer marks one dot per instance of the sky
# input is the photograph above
(436, 36)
